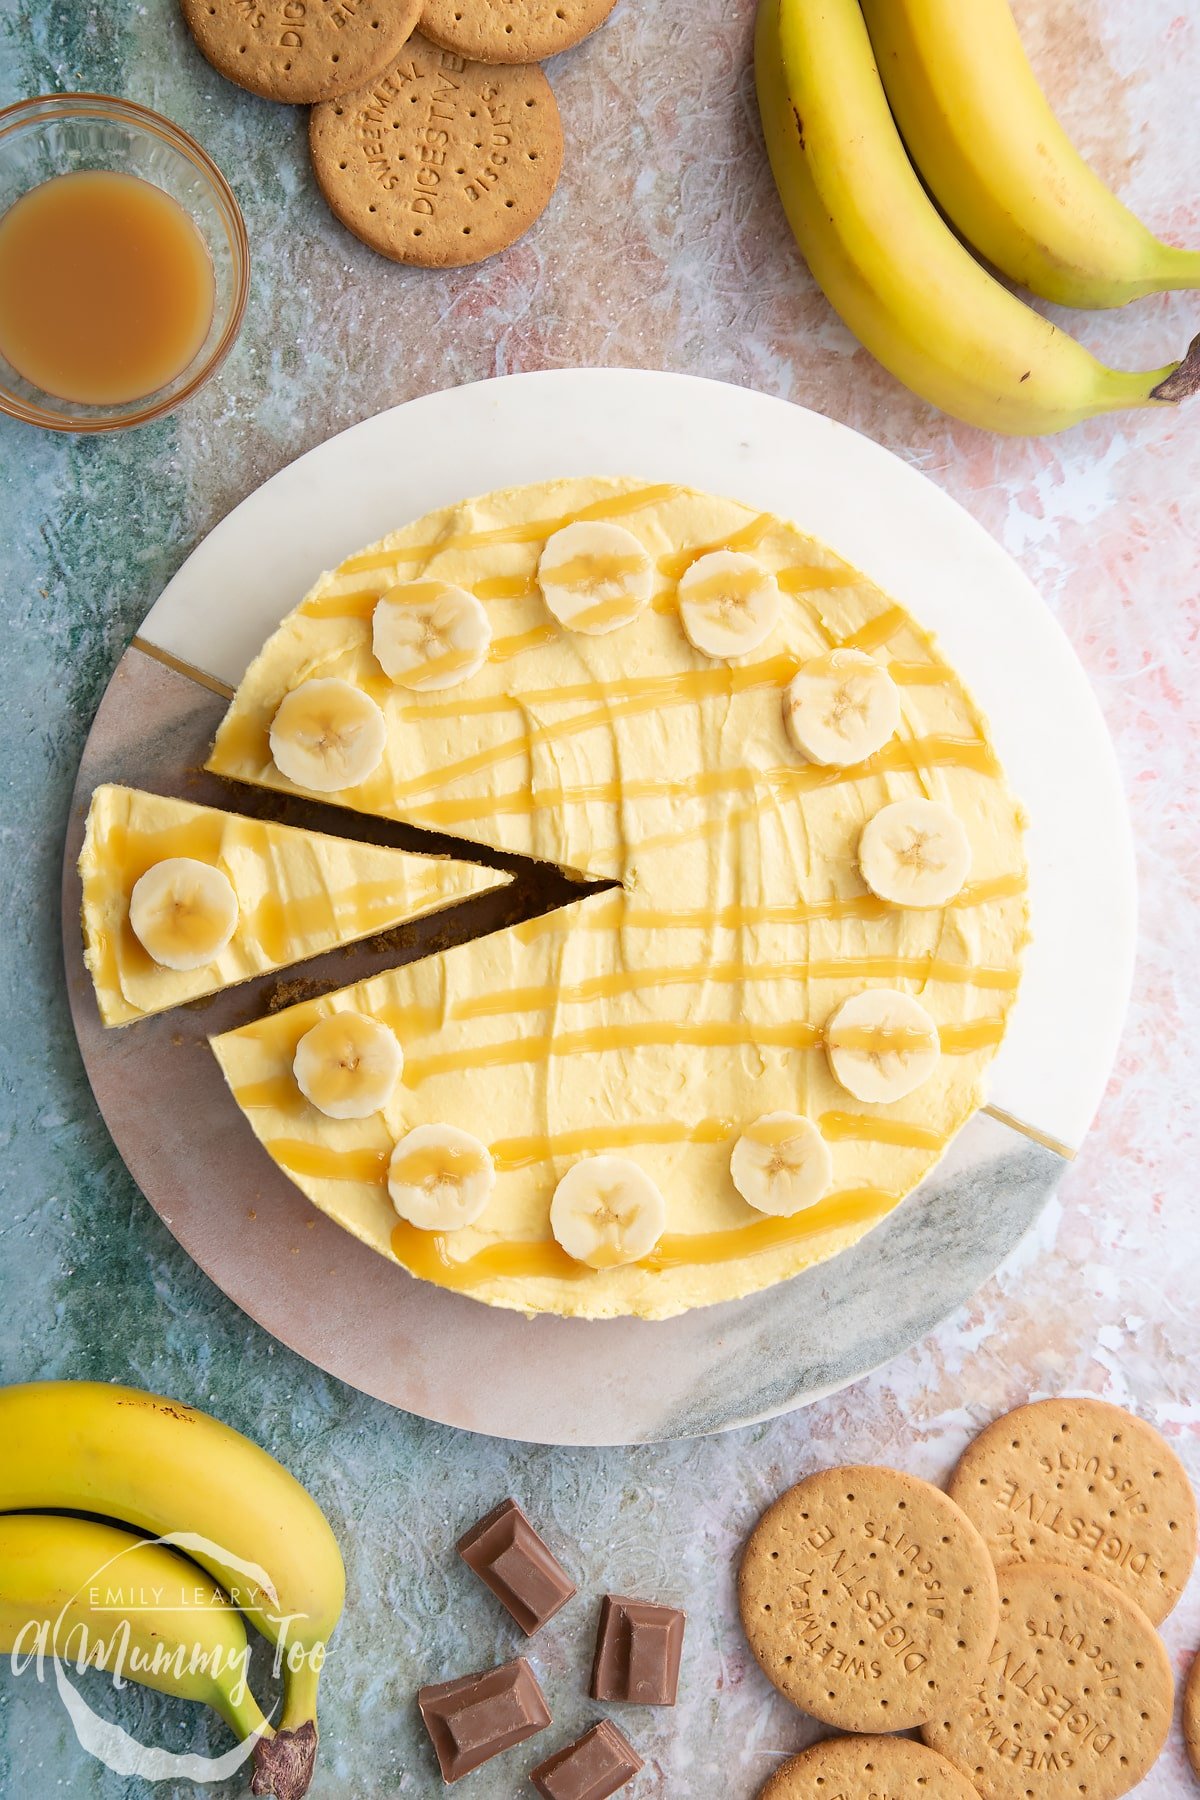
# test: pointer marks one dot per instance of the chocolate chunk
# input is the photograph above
(595, 1766)
(638, 1649)
(474, 1718)
(506, 1552)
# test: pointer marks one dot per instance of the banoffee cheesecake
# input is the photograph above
(181, 900)
(745, 1052)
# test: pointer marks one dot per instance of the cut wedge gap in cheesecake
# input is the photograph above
(535, 889)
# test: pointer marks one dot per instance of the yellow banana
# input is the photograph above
(166, 1468)
(1000, 165)
(103, 1598)
(886, 260)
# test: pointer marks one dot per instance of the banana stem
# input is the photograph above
(299, 1697)
(243, 1715)
(1181, 382)
(1178, 270)
(283, 1765)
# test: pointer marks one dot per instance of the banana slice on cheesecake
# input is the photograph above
(915, 853)
(183, 912)
(594, 576)
(440, 1178)
(840, 708)
(728, 603)
(781, 1164)
(327, 735)
(347, 1065)
(882, 1045)
(606, 1211)
(428, 635)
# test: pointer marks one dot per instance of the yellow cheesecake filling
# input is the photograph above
(298, 893)
(661, 1020)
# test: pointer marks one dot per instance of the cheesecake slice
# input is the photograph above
(218, 898)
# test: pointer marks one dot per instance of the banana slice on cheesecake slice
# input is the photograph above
(606, 1211)
(183, 912)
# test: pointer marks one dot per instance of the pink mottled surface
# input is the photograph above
(665, 247)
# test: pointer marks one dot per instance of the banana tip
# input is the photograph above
(283, 1765)
(1184, 379)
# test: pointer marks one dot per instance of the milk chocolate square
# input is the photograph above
(592, 1768)
(508, 1555)
(475, 1717)
(638, 1651)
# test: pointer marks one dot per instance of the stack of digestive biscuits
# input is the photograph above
(438, 147)
(869, 1600)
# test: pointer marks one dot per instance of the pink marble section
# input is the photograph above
(665, 247)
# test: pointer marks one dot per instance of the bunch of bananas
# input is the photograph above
(835, 80)
(139, 1607)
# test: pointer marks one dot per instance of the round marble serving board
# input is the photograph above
(552, 1380)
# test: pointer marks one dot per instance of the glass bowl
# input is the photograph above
(57, 134)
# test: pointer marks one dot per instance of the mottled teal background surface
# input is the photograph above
(663, 247)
